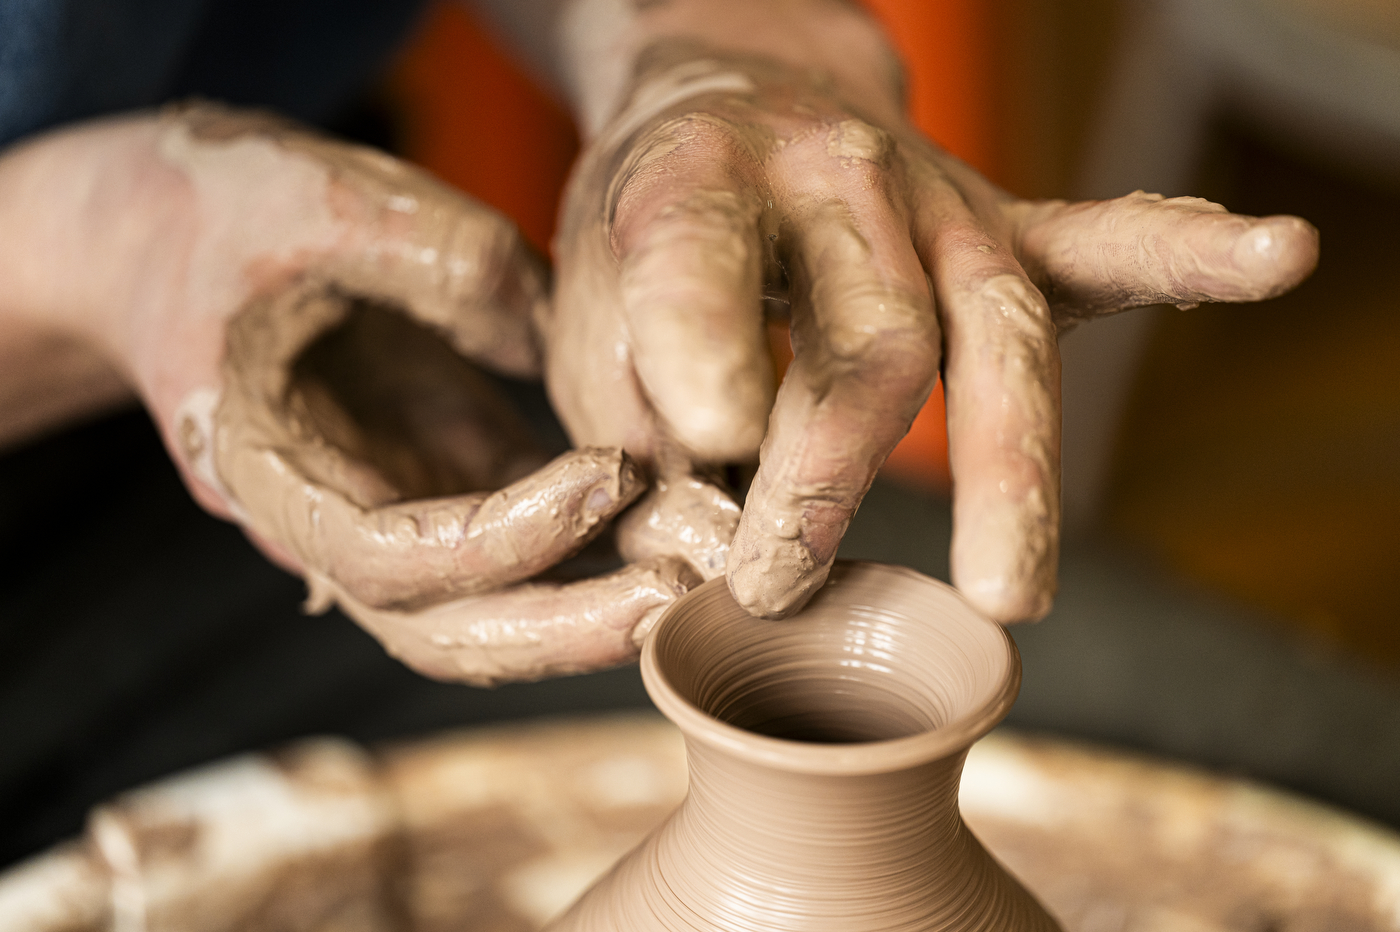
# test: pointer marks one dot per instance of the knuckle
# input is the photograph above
(855, 139)
(1015, 338)
(1190, 204)
(695, 130)
(837, 158)
(682, 173)
(706, 214)
(1018, 303)
(884, 330)
(712, 230)
(686, 143)
(477, 251)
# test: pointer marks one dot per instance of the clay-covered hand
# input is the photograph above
(298, 314)
(724, 185)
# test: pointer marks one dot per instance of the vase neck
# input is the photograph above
(753, 817)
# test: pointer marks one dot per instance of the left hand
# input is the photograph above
(309, 323)
(727, 180)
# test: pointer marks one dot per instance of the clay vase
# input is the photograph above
(824, 753)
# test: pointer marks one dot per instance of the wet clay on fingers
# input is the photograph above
(716, 199)
(866, 345)
(1002, 388)
(350, 432)
(530, 631)
(366, 475)
(727, 178)
(824, 754)
(378, 227)
(350, 307)
(682, 516)
(338, 511)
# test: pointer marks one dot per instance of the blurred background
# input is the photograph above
(1231, 573)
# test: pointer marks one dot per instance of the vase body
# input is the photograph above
(824, 754)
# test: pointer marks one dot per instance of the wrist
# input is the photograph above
(79, 211)
(64, 258)
(612, 50)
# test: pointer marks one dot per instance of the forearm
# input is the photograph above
(49, 379)
(594, 50)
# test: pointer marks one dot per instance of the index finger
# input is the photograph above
(866, 358)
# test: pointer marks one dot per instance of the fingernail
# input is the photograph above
(599, 501)
(1257, 247)
(1277, 251)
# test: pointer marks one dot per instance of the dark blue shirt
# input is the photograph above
(64, 60)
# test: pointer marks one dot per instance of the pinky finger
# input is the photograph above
(1099, 257)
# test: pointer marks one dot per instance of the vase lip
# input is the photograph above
(847, 759)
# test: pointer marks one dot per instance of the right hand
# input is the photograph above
(302, 317)
(726, 180)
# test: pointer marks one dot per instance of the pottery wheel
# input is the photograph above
(497, 830)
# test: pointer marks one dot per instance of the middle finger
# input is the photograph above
(866, 345)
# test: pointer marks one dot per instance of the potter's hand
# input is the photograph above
(298, 315)
(719, 177)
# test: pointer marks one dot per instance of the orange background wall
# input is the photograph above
(453, 79)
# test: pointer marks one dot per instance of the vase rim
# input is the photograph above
(844, 759)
